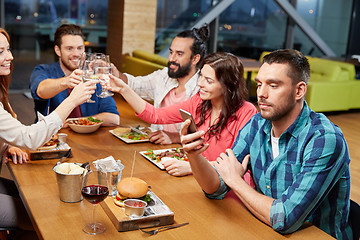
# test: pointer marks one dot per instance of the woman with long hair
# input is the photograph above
(14, 133)
(219, 108)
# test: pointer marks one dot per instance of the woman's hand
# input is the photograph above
(176, 167)
(82, 92)
(164, 137)
(17, 155)
(116, 84)
(193, 144)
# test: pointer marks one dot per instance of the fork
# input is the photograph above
(155, 231)
(66, 155)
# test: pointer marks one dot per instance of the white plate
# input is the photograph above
(156, 163)
(127, 140)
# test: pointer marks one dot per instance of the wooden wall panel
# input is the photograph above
(131, 25)
(139, 25)
(115, 31)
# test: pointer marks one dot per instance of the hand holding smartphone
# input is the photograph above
(186, 115)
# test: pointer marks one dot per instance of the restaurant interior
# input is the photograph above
(137, 35)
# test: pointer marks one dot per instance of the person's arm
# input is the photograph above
(164, 137)
(232, 171)
(136, 102)
(193, 145)
(109, 119)
(48, 88)
(15, 133)
(79, 95)
(117, 73)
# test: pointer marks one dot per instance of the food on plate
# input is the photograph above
(121, 130)
(131, 188)
(85, 121)
(51, 144)
(134, 136)
(177, 153)
(69, 168)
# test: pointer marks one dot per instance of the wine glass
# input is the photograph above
(103, 70)
(94, 194)
(87, 66)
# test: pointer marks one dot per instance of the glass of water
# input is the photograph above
(87, 65)
(103, 70)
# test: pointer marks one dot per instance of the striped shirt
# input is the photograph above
(309, 179)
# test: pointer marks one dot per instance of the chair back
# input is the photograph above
(354, 217)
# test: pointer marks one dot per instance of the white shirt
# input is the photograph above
(31, 137)
(274, 146)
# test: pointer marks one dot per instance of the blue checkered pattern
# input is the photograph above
(309, 180)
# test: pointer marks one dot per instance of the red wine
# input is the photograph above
(95, 193)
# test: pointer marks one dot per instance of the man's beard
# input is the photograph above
(68, 65)
(182, 71)
(281, 111)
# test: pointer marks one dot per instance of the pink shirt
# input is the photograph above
(171, 99)
(171, 114)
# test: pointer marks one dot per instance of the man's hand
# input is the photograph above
(73, 79)
(17, 155)
(193, 143)
(229, 168)
(164, 137)
(176, 167)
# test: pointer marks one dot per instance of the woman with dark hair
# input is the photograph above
(219, 108)
(14, 133)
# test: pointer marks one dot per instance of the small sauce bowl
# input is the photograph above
(134, 207)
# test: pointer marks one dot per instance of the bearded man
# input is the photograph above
(173, 84)
(51, 84)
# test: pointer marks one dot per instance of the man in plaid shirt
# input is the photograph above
(299, 160)
(173, 84)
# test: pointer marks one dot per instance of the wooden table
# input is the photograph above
(208, 219)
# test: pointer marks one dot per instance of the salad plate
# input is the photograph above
(128, 135)
(156, 157)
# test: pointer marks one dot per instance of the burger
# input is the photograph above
(131, 188)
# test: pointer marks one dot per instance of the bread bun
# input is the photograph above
(132, 187)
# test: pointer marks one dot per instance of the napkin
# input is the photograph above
(108, 164)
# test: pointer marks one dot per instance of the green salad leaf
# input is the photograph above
(91, 119)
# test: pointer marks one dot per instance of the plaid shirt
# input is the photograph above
(309, 180)
(155, 86)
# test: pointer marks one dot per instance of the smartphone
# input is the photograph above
(186, 115)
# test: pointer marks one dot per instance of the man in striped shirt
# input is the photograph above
(299, 160)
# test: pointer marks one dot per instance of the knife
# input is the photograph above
(138, 131)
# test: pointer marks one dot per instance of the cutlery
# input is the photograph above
(66, 155)
(155, 231)
(138, 130)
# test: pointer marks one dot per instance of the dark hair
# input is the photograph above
(200, 36)
(66, 29)
(299, 66)
(5, 82)
(229, 71)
